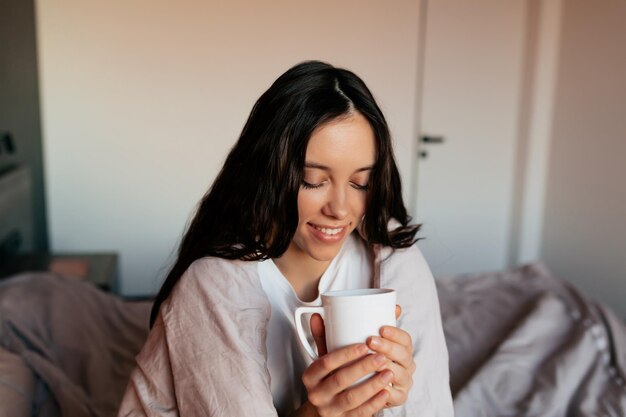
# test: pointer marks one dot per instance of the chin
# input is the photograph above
(325, 257)
(325, 254)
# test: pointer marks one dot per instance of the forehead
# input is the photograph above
(345, 141)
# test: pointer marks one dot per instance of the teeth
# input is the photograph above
(330, 232)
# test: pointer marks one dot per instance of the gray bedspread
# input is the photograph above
(524, 343)
(521, 343)
(79, 342)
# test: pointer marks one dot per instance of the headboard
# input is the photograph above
(16, 211)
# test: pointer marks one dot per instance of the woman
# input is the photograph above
(309, 200)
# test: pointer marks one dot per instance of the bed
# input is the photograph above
(521, 343)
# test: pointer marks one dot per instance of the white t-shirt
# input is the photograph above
(287, 359)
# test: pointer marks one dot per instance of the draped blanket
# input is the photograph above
(78, 342)
(524, 343)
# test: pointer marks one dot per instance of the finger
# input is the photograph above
(319, 334)
(357, 396)
(397, 335)
(398, 311)
(330, 362)
(348, 375)
(402, 377)
(392, 350)
(396, 397)
(401, 384)
(371, 407)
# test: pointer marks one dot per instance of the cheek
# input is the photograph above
(359, 205)
(309, 204)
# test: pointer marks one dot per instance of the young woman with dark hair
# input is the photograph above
(308, 200)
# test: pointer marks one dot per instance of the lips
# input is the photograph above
(327, 233)
(331, 231)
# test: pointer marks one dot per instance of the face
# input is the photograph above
(331, 203)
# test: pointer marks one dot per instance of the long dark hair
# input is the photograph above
(251, 212)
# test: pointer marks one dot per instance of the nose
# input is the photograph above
(337, 204)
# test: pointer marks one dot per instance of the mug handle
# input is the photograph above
(303, 339)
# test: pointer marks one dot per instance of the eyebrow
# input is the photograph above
(315, 165)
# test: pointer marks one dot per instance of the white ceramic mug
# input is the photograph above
(350, 316)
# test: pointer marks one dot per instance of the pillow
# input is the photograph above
(17, 386)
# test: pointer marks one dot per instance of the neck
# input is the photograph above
(302, 272)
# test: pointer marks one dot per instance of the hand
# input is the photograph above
(328, 380)
(396, 345)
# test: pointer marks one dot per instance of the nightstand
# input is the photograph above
(97, 268)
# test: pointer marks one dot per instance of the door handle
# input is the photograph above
(432, 139)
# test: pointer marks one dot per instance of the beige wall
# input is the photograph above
(142, 100)
(584, 237)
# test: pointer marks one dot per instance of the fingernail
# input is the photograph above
(386, 331)
(387, 377)
(362, 349)
(379, 359)
(374, 341)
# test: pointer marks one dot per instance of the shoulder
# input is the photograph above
(212, 268)
(410, 257)
(391, 258)
(218, 273)
(407, 271)
(212, 281)
(404, 261)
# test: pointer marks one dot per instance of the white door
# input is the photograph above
(471, 89)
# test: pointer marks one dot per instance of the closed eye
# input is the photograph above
(309, 186)
(360, 187)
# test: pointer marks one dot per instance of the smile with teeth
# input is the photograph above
(329, 231)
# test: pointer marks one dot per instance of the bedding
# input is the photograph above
(16, 385)
(521, 343)
(524, 343)
(77, 341)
